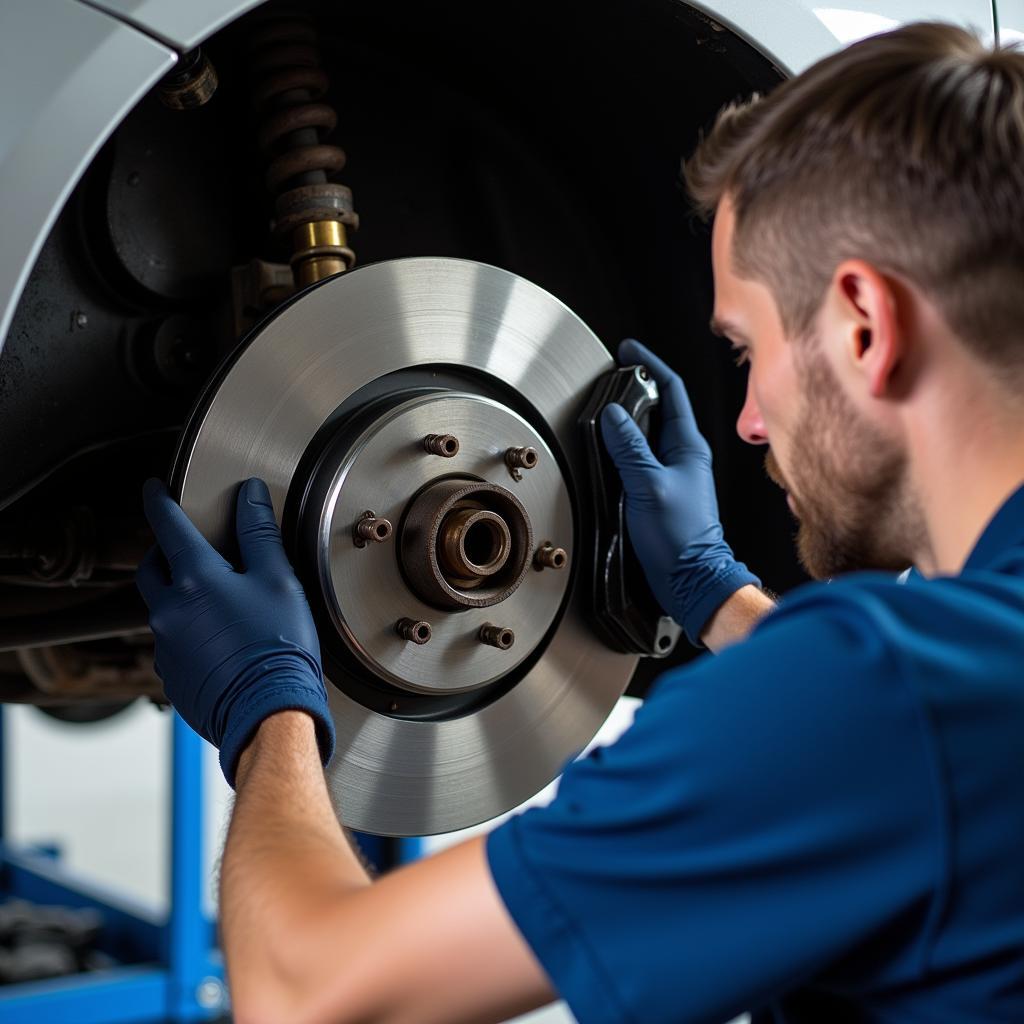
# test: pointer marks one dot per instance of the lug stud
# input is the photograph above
(416, 632)
(547, 556)
(445, 445)
(518, 459)
(496, 636)
(371, 530)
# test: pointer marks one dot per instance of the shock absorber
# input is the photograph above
(312, 214)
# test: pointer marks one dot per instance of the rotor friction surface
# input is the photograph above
(394, 776)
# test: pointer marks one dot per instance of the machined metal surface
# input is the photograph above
(391, 775)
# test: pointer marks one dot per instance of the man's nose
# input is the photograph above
(750, 425)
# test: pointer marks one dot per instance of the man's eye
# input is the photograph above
(740, 355)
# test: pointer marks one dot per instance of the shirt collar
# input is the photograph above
(1005, 529)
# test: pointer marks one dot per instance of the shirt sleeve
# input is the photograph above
(770, 810)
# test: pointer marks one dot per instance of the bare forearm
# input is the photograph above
(286, 857)
(736, 618)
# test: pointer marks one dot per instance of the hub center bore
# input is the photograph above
(475, 544)
(466, 544)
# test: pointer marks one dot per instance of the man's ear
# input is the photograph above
(866, 308)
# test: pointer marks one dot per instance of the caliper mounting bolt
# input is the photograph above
(410, 629)
(496, 636)
(547, 556)
(445, 445)
(371, 530)
(518, 459)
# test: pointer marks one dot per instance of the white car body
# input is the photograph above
(1010, 21)
(71, 71)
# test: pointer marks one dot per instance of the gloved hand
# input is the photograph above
(671, 508)
(232, 647)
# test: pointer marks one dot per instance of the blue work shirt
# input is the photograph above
(824, 823)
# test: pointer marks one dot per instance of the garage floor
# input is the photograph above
(99, 792)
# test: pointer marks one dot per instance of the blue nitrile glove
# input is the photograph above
(232, 647)
(671, 508)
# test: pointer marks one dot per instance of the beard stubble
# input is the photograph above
(848, 482)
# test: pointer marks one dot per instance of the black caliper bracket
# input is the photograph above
(625, 614)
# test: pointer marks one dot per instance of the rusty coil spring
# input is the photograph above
(286, 64)
(311, 211)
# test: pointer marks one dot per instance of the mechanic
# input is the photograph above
(824, 822)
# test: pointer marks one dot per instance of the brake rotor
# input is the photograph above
(461, 671)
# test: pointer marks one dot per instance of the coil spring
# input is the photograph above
(311, 211)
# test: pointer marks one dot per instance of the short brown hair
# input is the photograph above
(905, 149)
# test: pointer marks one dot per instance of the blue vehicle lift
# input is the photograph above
(169, 970)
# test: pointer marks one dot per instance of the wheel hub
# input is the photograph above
(464, 542)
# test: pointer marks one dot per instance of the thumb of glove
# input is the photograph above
(259, 537)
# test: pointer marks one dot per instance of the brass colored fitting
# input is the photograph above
(320, 250)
